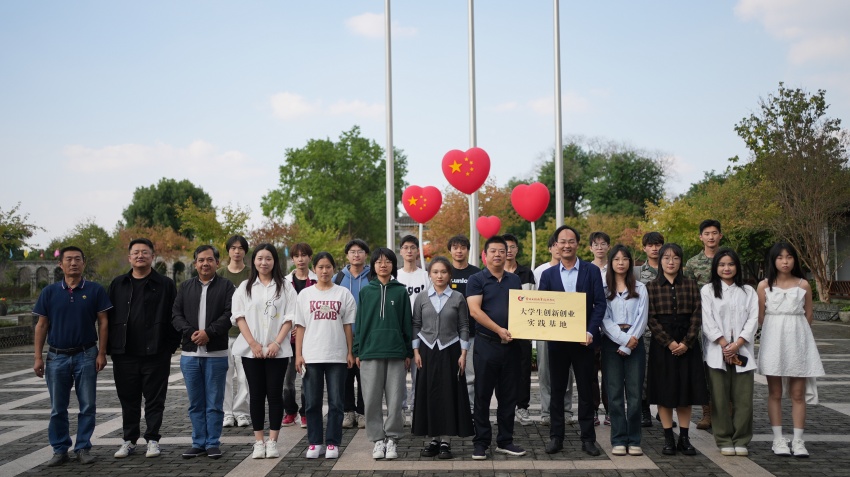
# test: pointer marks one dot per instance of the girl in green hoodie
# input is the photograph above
(382, 346)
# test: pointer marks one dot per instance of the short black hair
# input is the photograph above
(599, 235)
(566, 227)
(142, 241)
(238, 238)
(359, 242)
(204, 248)
(460, 239)
(495, 239)
(709, 223)
(409, 239)
(553, 239)
(301, 248)
(71, 248)
(376, 255)
(652, 238)
(327, 256)
(510, 238)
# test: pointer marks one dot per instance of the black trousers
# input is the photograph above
(350, 405)
(524, 392)
(137, 377)
(265, 382)
(496, 369)
(580, 357)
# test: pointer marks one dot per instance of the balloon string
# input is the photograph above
(421, 249)
(533, 245)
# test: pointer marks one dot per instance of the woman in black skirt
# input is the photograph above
(441, 340)
(676, 372)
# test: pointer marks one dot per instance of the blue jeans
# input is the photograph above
(205, 379)
(624, 381)
(63, 371)
(314, 381)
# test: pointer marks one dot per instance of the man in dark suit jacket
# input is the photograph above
(574, 275)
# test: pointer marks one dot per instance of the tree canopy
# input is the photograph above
(337, 185)
(158, 204)
(15, 229)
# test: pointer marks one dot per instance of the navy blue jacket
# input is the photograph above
(589, 282)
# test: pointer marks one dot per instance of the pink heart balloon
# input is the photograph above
(488, 226)
(530, 201)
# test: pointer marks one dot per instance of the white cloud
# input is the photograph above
(288, 105)
(357, 108)
(371, 25)
(816, 30)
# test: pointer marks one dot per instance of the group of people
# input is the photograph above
(664, 332)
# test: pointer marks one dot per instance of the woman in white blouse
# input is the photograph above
(623, 351)
(729, 323)
(263, 309)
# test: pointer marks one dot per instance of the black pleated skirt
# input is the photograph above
(442, 401)
(675, 381)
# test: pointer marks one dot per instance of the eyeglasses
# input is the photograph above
(143, 253)
(598, 245)
(513, 247)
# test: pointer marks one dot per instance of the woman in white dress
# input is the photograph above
(788, 347)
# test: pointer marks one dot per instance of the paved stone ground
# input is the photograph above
(24, 411)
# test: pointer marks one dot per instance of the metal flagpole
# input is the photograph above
(390, 155)
(559, 146)
(473, 141)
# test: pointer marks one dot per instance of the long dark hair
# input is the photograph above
(376, 255)
(773, 254)
(716, 282)
(677, 251)
(277, 273)
(611, 280)
(444, 261)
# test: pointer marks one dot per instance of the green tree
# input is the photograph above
(337, 186)
(103, 256)
(158, 204)
(15, 230)
(579, 164)
(799, 159)
(213, 225)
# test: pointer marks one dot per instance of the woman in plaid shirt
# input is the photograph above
(676, 372)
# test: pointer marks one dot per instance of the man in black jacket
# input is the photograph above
(201, 314)
(141, 342)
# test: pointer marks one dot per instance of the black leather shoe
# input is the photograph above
(590, 448)
(555, 445)
(430, 450)
(645, 418)
(445, 451)
(669, 446)
(685, 446)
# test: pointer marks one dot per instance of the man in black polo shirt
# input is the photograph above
(67, 311)
(141, 342)
(497, 368)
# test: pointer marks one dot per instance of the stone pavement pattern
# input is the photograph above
(25, 409)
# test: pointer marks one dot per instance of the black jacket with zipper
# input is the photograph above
(187, 306)
(159, 296)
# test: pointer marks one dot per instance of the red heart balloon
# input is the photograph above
(422, 203)
(488, 226)
(530, 201)
(466, 171)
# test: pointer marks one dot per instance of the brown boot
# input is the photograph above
(705, 422)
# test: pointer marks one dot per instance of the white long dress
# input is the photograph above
(787, 345)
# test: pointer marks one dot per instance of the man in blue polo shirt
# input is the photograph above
(67, 312)
(496, 365)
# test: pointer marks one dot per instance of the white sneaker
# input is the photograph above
(780, 447)
(259, 450)
(271, 449)
(243, 421)
(619, 450)
(798, 448)
(153, 449)
(522, 416)
(728, 451)
(229, 421)
(361, 421)
(739, 450)
(391, 450)
(314, 451)
(126, 449)
(349, 420)
(380, 450)
(332, 452)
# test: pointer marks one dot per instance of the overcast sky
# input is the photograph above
(99, 98)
